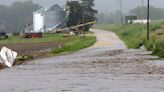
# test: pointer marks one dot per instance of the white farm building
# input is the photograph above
(139, 21)
(45, 20)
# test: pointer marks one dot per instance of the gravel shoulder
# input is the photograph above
(107, 66)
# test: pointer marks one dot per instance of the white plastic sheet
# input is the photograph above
(7, 56)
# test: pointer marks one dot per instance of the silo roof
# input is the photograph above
(55, 7)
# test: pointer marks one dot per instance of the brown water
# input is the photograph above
(107, 66)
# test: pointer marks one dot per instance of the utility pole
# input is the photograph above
(142, 10)
(148, 18)
(121, 10)
(83, 18)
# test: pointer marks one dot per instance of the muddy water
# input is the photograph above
(107, 66)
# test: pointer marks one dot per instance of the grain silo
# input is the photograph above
(38, 21)
(47, 20)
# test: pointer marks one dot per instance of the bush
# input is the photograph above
(155, 27)
(149, 45)
(159, 47)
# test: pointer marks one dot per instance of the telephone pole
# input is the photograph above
(142, 10)
(83, 18)
(121, 10)
(148, 18)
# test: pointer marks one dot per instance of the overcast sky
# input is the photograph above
(101, 5)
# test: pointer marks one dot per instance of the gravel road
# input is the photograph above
(107, 66)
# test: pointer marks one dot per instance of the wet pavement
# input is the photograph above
(107, 66)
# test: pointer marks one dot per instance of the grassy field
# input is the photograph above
(132, 35)
(135, 34)
(46, 38)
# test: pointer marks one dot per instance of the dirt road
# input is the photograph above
(105, 67)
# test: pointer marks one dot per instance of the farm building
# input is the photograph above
(140, 21)
(129, 18)
(45, 20)
(132, 19)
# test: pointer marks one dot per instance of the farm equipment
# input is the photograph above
(3, 30)
(3, 35)
(31, 35)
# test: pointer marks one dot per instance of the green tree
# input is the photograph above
(88, 11)
(89, 14)
(16, 16)
(74, 13)
(80, 12)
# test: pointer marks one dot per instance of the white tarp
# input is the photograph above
(7, 56)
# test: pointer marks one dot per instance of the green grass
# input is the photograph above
(76, 44)
(132, 35)
(46, 38)
(135, 34)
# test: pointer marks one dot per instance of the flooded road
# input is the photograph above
(107, 66)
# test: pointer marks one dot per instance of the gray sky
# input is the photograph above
(101, 5)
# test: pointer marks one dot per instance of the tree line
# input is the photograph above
(80, 12)
(16, 16)
(140, 12)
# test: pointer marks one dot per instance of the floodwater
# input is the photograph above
(107, 66)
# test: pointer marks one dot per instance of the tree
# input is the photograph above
(74, 13)
(88, 11)
(155, 13)
(80, 13)
(16, 16)
(89, 14)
